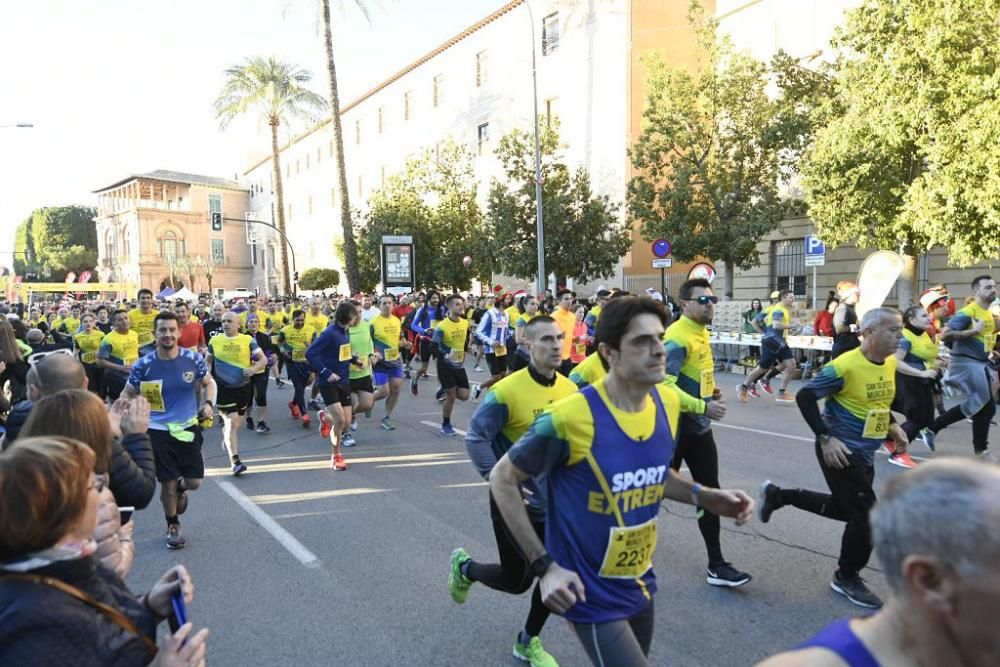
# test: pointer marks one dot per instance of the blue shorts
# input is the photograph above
(383, 377)
(772, 351)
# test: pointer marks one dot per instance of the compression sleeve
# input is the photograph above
(486, 423)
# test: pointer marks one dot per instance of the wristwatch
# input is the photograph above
(539, 566)
(823, 438)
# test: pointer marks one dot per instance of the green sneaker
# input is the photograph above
(533, 653)
(458, 583)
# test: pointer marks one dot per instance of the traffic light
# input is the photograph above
(295, 277)
(216, 221)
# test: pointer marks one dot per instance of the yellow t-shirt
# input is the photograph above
(142, 324)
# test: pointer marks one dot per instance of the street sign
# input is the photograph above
(663, 263)
(661, 248)
(398, 263)
(815, 251)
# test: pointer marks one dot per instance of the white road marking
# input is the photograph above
(283, 537)
(438, 426)
(794, 437)
(463, 486)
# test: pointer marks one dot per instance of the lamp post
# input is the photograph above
(539, 226)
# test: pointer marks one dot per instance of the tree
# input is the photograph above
(208, 266)
(275, 91)
(584, 235)
(319, 279)
(707, 159)
(24, 249)
(350, 248)
(908, 158)
(57, 240)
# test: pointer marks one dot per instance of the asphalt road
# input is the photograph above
(295, 564)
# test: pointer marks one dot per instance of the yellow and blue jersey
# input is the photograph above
(317, 322)
(120, 349)
(385, 333)
(451, 336)
(294, 342)
(921, 350)
(232, 356)
(142, 324)
(171, 387)
(690, 367)
(980, 345)
(588, 371)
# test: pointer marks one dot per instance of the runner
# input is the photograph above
(773, 349)
(425, 319)
(233, 359)
(603, 494)
(258, 383)
(88, 344)
(691, 369)
(293, 341)
(170, 378)
(318, 322)
(581, 337)
(500, 421)
(564, 317)
(476, 312)
(251, 309)
(274, 322)
(331, 357)
(601, 299)
(192, 332)
(386, 330)
(118, 352)
(859, 386)
(845, 319)
(449, 340)
(141, 320)
(917, 376)
(362, 389)
(492, 335)
(521, 356)
(213, 325)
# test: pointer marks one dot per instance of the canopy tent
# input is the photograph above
(165, 293)
(185, 294)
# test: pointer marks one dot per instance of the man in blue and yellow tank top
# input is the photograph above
(450, 335)
(859, 387)
(603, 494)
(774, 323)
(503, 417)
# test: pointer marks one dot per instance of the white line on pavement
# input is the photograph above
(457, 430)
(791, 437)
(283, 537)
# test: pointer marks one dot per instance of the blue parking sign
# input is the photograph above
(815, 251)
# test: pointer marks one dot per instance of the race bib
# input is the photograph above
(345, 352)
(876, 424)
(391, 354)
(500, 350)
(274, 340)
(145, 338)
(459, 356)
(707, 383)
(152, 391)
(298, 355)
(581, 349)
(89, 357)
(630, 551)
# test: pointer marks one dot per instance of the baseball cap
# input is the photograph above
(930, 297)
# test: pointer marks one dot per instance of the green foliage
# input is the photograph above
(434, 201)
(319, 279)
(584, 235)
(24, 249)
(908, 158)
(273, 90)
(707, 160)
(56, 240)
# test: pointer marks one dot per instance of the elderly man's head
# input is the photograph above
(55, 372)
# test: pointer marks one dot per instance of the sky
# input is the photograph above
(119, 87)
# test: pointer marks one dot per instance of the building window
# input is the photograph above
(357, 132)
(482, 137)
(215, 203)
(788, 266)
(550, 33)
(218, 251)
(482, 71)
(309, 204)
(438, 89)
(550, 110)
(407, 104)
(381, 119)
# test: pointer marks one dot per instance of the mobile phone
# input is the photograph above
(177, 601)
(126, 514)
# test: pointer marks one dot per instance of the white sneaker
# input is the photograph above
(354, 425)
(986, 456)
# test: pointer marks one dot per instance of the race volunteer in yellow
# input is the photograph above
(119, 350)
(234, 358)
(691, 368)
(87, 343)
(503, 417)
(449, 337)
(859, 386)
(603, 493)
(141, 320)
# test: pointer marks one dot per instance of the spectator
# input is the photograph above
(13, 367)
(823, 324)
(57, 606)
(749, 315)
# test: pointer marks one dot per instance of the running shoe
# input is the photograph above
(765, 385)
(725, 575)
(854, 589)
(182, 496)
(296, 413)
(784, 398)
(902, 460)
(439, 394)
(249, 423)
(354, 425)
(174, 538)
(477, 369)
(281, 383)
(447, 429)
(238, 467)
(768, 500)
(324, 424)
(314, 404)
(407, 374)
(533, 653)
(306, 422)
(367, 413)
(986, 456)
(742, 393)
(752, 390)
(413, 387)
(477, 392)
(337, 462)
(889, 447)
(927, 437)
(347, 440)
(386, 424)
(458, 583)
(262, 427)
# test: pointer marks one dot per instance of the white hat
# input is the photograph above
(657, 296)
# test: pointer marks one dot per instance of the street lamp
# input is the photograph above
(18, 125)
(540, 287)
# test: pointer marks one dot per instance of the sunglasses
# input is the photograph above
(705, 299)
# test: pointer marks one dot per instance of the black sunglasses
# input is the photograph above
(706, 299)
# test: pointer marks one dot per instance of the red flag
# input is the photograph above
(84, 277)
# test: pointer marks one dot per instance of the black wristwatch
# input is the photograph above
(540, 565)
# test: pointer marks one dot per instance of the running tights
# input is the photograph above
(623, 643)
(299, 378)
(980, 423)
(698, 451)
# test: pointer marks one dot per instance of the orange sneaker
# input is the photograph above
(296, 413)
(324, 424)
(902, 460)
(742, 393)
(337, 462)
(306, 422)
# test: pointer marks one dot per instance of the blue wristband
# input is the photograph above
(695, 490)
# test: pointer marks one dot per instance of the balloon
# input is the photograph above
(466, 261)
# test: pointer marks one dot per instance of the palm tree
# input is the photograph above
(276, 92)
(350, 246)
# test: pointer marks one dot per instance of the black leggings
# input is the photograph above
(980, 423)
(698, 451)
(512, 575)
(915, 399)
(622, 643)
(258, 390)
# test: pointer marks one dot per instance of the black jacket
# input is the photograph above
(15, 421)
(133, 471)
(41, 625)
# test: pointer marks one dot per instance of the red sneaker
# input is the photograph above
(306, 422)
(752, 390)
(337, 462)
(324, 424)
(889, 446)
(902, 460)
(765, 385)
(296, 414)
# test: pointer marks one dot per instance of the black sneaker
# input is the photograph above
(174, 538)
(262, 427)
(238, 467)
(854, 589)
(249, 423)
(182, 496)
(724, 574)
(768, 500)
